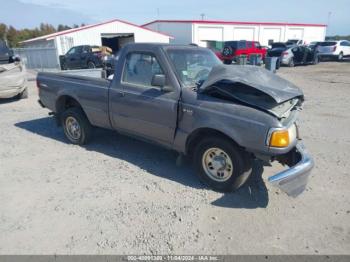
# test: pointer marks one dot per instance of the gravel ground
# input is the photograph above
(121, 196)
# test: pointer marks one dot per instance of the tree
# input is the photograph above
(3, 30)
(14, 36)
(61, 27)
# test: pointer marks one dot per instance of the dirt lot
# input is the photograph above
(121, 196)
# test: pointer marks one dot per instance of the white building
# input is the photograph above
(114, 33)
(44, 51)
(198, 31)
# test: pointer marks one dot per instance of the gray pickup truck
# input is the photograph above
(185, 99)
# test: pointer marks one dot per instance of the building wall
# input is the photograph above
(40, 44)
(182, 32)
(92, 36)
(226, 32)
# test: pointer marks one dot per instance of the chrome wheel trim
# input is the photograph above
(73, 128)
(217, 164)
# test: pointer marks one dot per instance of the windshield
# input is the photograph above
(193, 65)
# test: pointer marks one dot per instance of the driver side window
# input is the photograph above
(72, 51)
(140, 68)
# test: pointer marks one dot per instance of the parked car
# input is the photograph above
(277, 49)
(84, 56)
(232, 49)
(334, 49)
(13, 80)
(6, 54)
(221, 119)
(299, 55)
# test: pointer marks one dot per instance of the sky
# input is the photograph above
(30, 13)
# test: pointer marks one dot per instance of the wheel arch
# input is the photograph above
(200, 133)
(65, 101)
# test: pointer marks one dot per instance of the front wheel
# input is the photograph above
(76, 126)
(221, 165)
(340, 56)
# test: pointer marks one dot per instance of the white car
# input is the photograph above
(13, 80)
(334, 49)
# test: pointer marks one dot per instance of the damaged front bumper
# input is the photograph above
(294, 179)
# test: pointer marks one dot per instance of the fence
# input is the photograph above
(38, 58)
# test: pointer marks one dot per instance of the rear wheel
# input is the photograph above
(24, 94)
(220, 164)
(278, 64)
(64, 66)
(76, 126)
(91, 65)
(340, 56)
(291, 62)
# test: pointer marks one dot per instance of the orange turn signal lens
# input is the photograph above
(279, 138)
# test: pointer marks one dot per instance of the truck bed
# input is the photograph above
(91, 92)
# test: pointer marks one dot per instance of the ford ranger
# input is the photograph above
(185, 99)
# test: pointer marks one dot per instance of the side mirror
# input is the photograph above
(158, 80)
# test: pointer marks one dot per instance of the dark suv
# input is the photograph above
(232, 49)
(84, 56)
(6, 54)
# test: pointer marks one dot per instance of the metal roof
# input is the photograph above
(72, 30)
(232, 23)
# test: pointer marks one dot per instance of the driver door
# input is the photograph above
(71, 57)
(139, 108)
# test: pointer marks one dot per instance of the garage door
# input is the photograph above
(295, 33)
(243, 33)
(209, 33)
(271, 34)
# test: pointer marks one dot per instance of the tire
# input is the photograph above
(227, 62)
(24, 94)
(221, 176)
(340, 56)
(278, 64)
(91, 65)
(76, 126)
(291, 62)
(64, 66)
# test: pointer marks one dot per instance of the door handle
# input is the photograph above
(120, 94)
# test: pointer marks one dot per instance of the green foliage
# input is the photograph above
(338, 37)
(14, 36)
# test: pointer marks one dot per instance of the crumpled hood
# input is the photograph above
(259, 78)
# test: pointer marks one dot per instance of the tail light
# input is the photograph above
(334, 48)
(285, 53)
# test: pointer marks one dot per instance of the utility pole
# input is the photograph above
(329, 22)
